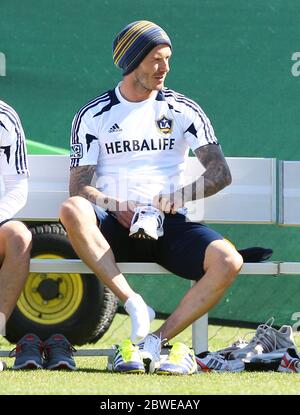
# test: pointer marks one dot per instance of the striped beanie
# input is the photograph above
(135, 41)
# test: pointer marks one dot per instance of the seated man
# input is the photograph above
(15, 238)
(136, 138)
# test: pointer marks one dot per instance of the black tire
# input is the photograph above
(87, 320)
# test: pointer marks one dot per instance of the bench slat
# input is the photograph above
(289, 268)
(76, 266)
(289, 193)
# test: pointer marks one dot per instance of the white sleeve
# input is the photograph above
(198, 131)
(84, 141)
(15, 195)
(13, 154)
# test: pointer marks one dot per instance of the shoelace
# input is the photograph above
(265, 336)
(153, 345)
(149, 214)
(215, 355)
(62, 347)
(25, 346)
(238, 344)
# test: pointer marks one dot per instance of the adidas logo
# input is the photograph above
(114, 129)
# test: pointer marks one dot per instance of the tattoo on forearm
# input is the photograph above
(80, 179)
(217, 174)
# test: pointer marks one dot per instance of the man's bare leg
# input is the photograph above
(15, 245)
(79, 219)
(222, 263)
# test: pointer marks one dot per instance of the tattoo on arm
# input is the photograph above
(80, 185)
(80, 180)
(217, 174)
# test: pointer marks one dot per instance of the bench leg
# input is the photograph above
(200, 334)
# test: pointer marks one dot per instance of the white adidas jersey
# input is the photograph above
(13, 158)
(139, 148)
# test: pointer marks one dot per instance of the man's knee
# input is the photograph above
(17, 236)
(73, 210)
(232, 263)
(224, 259)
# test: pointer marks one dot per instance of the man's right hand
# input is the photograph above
(125, 211)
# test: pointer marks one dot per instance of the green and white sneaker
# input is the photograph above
(181, 361)
(126, 359)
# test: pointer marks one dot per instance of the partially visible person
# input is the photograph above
(15, 238)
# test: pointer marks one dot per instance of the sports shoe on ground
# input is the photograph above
(290, 362)
(266, 340)
(59, 353)
(150, 349)
(181, 361)
(264, 362)
(147, 223)
(28, 353)
(237, 345)
(215, 362)
(126, 359)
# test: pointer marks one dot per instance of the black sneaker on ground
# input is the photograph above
(264, 362)
(59, 353)
(28, 353)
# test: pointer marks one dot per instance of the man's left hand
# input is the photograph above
(169, 203)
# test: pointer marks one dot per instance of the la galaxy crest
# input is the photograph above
(165, 125)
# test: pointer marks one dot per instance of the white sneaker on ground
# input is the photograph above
(290, 362)
(147, 223)
(215, 362)
(266, 340)
(150, 349)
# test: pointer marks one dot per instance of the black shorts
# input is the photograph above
(180, 250)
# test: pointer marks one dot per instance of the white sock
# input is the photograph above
(151, 313)
(141, 315)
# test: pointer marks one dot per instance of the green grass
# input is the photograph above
(91, 377)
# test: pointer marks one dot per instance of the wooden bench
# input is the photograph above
(250, 199)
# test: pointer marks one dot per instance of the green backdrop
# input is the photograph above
(233, 56)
